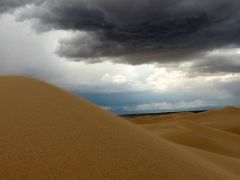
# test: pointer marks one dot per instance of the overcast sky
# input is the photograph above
(127, 56)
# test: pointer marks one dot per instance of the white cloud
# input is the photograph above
(167, 105)
(223, 78)
(165, 80)
(162, 79)
(118, 79)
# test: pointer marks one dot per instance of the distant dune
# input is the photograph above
(213, 136)
(48, 133)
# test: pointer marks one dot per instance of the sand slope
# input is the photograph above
(48, 133)
(212, 135)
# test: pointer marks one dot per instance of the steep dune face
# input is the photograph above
(211, 135)
(48, 133)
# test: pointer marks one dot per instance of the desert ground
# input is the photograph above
(49, 133)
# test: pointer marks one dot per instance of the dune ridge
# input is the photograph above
(48, 133)
(212, 135)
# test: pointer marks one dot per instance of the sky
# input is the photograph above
(128, 56)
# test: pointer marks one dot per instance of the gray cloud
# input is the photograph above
(216, 65)
(8, 5)
(140, 31)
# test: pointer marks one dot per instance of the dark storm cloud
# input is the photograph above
(216, 65)
(7, 5)
(140, 31)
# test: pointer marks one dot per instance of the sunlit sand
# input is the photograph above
(48, 133)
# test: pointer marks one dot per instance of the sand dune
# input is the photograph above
(48, 133)
(212, 135)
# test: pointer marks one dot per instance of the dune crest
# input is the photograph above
(212, 135)
(48, 133)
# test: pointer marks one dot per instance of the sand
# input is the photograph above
(48, 133)
(213, 135)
